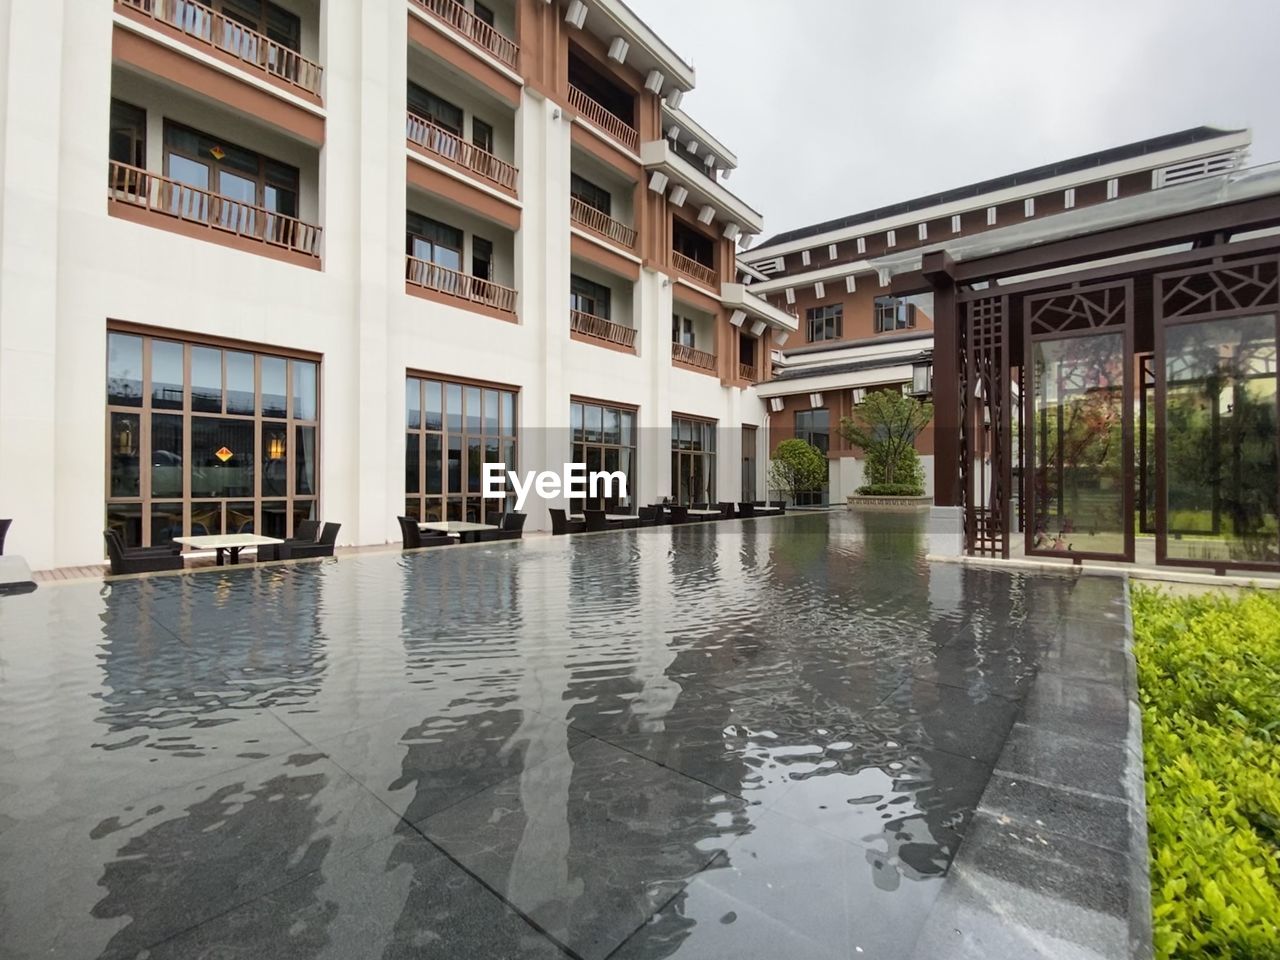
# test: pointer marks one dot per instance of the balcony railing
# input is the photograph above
(600, 223)
(209, 28)
(220, 214)
(447, 145)
(466, 23)
(693, 269)
(598, 116)
(432, 276)
(598, 328)
(695, 358)
(747, 371)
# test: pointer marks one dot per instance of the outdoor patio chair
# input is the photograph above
(140, 559)
(512, 522)
(746, 509)
(322, 547)
(4, 529)
(701, 506)
(595, 520)
(648, 516)
(677, 514)
(726, 509)
(492, 536)
(780, 504)
(560, 523)
(303, 536)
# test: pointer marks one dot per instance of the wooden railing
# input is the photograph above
(598, 328)
(465, 22)
(210, 28)
(449, 146)
(597, 115)
(432, 276)
(695, 358)
(601, 223)
(692, 268)
(172, 198)
(747, 371)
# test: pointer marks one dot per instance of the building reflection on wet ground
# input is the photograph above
(755, 738)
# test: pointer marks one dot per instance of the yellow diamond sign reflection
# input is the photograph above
(224, 454)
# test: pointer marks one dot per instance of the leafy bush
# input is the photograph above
(885, 426)
(797, 467)
(1209, 673)
(908, 472)
(890, 490)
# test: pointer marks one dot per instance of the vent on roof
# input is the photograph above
(770, 266)
(1194, 169)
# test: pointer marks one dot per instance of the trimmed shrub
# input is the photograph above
(1209, 674)
(890, 490)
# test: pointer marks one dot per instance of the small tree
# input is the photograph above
(885, 427)
(797, 467)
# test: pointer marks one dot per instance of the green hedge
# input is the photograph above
(891, 490)
(1209, 676)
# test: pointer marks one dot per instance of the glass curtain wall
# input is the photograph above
(604, 438)
(204, 439)
(452, 430)
(693, 460)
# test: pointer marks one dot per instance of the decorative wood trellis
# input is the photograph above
(985, 425)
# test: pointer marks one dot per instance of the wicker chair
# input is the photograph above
(306, 534)
(726, 509)
(746, 509)
(677, 514)
(561, 524)
(595, 520)
(140, 559)
(649, 516)
(323, 547)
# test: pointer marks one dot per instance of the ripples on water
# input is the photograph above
(752, 730)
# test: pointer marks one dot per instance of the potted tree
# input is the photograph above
(884, 427)
(797, 467)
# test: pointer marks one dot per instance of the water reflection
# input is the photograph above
(788, 721)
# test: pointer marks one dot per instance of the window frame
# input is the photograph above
(431, 106)
(582, 289)
(893, 314)
(592, 194)
(271, 174)
(581, 445)
(693, 439)
(827, 319)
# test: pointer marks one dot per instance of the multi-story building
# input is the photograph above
(853, 335)
(263, 260)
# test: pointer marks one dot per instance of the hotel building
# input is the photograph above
(265, 260)
(855, 335)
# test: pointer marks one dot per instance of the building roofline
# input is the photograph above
(1170, 141)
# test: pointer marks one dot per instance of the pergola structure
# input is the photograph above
(1105, 382)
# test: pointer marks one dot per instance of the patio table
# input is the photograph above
(613, 517)
(231, 543)
(707, 513)
(465, 529)
(768, 511)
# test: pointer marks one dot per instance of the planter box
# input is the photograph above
(857, 501)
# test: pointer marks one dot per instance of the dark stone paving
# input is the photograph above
(759, 738)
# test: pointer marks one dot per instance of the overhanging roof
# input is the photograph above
(735, 296)
(613, 18)
(658, 155)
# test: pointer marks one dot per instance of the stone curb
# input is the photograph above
(1054, 864)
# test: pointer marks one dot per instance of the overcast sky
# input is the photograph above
(837, 106)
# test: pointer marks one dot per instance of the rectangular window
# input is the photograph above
(598, 198)
(481, 258)
(693, 244)
(425, 104)
(814, 426)
(693, 460)
(587, 296)
(433, 242)
(245, 178)
(483, 13)
(482, 134)
(825, 323)
(451, 431)
(128, 143)
(894, 314)
(230, 445)
(260, 16)
(682, 330)
(604, 438)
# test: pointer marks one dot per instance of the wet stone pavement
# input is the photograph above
(748, 739)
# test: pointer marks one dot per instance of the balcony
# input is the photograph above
(460, 286)
(596, 115)
(694, 270)
(174, 202)
(452, 149)
(747, 371)
(466, 24)
(693, 357)
(598, 328)
(601, 224)
(204, 27)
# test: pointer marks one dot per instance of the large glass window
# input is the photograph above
(452, 430)
(695, 245)
(433, 241)
(244, 178)
(693, 460)
(587, 296)
(204, 439)
(580, 188)
(814, 426)
(1078, 481)
(425, 104)
(682, 330)
(1220, 441)
(825, 323)
(893, 313)
(604, 438)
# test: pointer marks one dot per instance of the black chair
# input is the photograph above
(780, 504)
(746, 510)
(726, 509)
(140, 559)
(323, 547)
(4, 529)
(700, 506)
(677, 514)
(648, 516)
(306, 534)
(512, 522)
(595, 520)
(561, 524)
